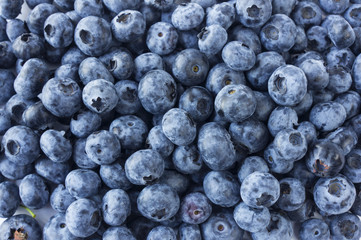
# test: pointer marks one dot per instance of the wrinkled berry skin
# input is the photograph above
(157, 91)
(195, 208)
(78, 181)
(158, 202)
(56, 228)
(21, 145)
(10, 199)
(238, 56)
(314, 229)
(33, 191)
(325, 159)
(83, 217)
(100, 96)
(102, 147)
(144, 167)
(179, 127)
(60, 199)
(162, 38)
(115, 207)
(31, 78)
(268, 190)
(187, 16)
(190, 67)
(327, 116)
(251, 219)
(30, 227)
(279, 227)
(216, 147)
(221, 226)
(334, 195)
(222, 188)
(61, 97)
(255, 13)
(93, 35)
(128, 25)
(235, 103)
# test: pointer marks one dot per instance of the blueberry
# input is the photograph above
(128, 25)
(82, 183)
(8, 58)
(57, 228)
(5, 121)
(130, 130)
(223, 14)
(327, 116)
(67, 71)
(21, 145)
(102, 147)
(334, 195)
(52, 171)
(251, 164)
(14, 171)
(73, 56)
(265, 106)
(290, 144)
(64, 5)
(118, 233)
(345, 137)
(61, 97)
(10, 199)
(146, 62)
(314, 229)
(221, 225)
(162, 38)
(113, 175)
(157, 91)
(118, 6)
(265, 65)
(308, 130)
(221, 75)
(247, 36)
(339, 31)
(31, 78)
(322, 96)
(60, 199)
(279, 33)
(293, 194)
(7, 85)
(115, 207)
(100, 96)
(162, 232)
(93, 35)
(156, 140)
(281, 118)
(85, 8)
(20, 225)
(178, 181)
(211, 39)
(92, 68)
(340, 58)
(356, 76)
(306, 14)
(334, 7)
(33, 191)
(80, 157)
(276, 162)
(186, 159)
(190, 67)
(352, 169)
(222, 188)
(10, 9)
(305, 105)
(345, 226)
(255, 13)
(158, 202)
(238, 56)
(55, 146)
(279, 227)
(260, 190)
(187, 16)
(216, 147)
(119, 62)
(318, 39)
(195, 208)
(251, 219)
(84, 122)
(37, 17)
(189, 231)
(356, 46)
(351, 101)
(83, 217)
(316, 73)
(300, 40)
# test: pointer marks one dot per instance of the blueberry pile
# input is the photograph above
(181, 119)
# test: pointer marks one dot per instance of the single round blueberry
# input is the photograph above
(293, 194)
(58, 30)
(345, 226)
(352, 168)
(187, 16)
(251, 219)
(113, 175)
(189, 231)
(351, 101)
(162, 38)
(327, 116)
(339, 31)
(282, 118)
(318, 39)
(118, 232)
(119, 62)
(54, 172)
(260, 190)
(156, 140)
(158, 202)
(20, 225)
(115, 207)
(223, 14)
(238, 56)
(83, 218)
(60, 199)
(92, 68)
(84, 122)
(38, 15)
(33, 191)
(10, 199)
(161, 232)
(290, 144)
(247, 36)
(222, 188)
(316, 74)
(186, 159)
(128, 25)
(82, 183)
(250, 165)
(211, 39)
(334, 195)
(14, 171)
(55, 146)
(308, 130)
(28, 45)
(254, 13)
(315, 229)
(179, 127)
(80, 157)
(306, 14)
(195, 208)
(276, 163)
